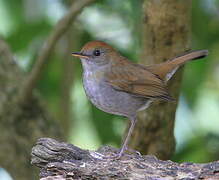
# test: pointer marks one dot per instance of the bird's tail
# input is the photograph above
(166, 69)
(192, 55)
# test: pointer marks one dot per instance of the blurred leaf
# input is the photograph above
(49, 84)
(104, 125)
(199, 150)
(205, 35)
(15, 9)
(194, 76)
(25, 33)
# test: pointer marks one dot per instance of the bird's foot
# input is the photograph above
(114, 155)
(132, 151)
(97, 155)
(124, 151)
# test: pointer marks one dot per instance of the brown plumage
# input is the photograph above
(118, 86)
(164, 68)
(136, 80)
(147, 81)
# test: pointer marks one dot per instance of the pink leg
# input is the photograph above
(126, 141)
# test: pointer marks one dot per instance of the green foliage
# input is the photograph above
(205, 35)
(104, 124)
(200, 149)
(26, 33)
(32, 33)
(49, 85)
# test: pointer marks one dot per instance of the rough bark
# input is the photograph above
(166, 27)
(63, 161)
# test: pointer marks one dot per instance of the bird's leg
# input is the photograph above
(125, 143)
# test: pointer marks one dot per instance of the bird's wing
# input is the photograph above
(137, 81)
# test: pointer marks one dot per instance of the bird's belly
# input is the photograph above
(104, 97)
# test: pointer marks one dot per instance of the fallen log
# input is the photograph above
(60, 160)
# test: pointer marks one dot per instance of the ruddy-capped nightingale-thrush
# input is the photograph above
(118, 86)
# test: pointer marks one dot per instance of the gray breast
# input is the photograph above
(106, 98)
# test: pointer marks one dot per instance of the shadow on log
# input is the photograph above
(59, 160)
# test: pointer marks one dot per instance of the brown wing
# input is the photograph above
(137, 80)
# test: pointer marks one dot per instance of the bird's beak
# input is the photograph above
(80, 55)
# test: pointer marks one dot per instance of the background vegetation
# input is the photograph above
(25, 24)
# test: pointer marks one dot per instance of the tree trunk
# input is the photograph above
(21, 124)
(166, 28)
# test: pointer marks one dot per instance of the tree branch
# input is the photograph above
(5, 50)
(65, 161)
(60, 28)
(67, 81)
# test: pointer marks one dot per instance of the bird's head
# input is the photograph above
(96, 53)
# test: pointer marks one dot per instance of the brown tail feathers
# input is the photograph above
(188, 56)
(166, 69)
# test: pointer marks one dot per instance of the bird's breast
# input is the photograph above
(106, 98)
(92, 83)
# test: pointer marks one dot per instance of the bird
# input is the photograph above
(116, 85)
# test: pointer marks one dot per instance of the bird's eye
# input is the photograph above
(96, 52)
